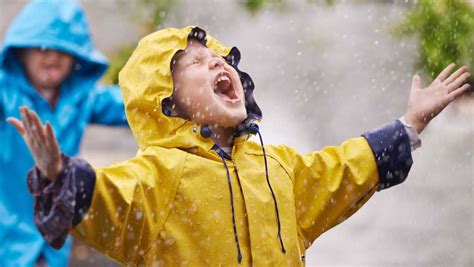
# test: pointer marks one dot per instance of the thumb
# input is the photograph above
(18, 125)
(416, 82)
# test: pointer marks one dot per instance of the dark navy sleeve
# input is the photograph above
(391, 147)
(60, 205)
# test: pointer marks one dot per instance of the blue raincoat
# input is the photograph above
(59, 25)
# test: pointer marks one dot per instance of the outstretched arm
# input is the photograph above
(108, 107)
(114, 209)
(331, 184)
(62, 186)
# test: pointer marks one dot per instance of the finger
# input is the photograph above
(443, 74)
(51, 139)
(38, 126)
(32, 128)
(455, 75)
(454, 94)
(32, 139)
(27, 134)
(416, 82)
(458, 82)
(17, 124)
(25, 121)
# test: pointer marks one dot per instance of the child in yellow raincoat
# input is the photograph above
(198, 192)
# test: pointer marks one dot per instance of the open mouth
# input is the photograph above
(52, 72)
(224, 88)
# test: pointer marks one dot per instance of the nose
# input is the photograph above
(216, 62)
(53, 55)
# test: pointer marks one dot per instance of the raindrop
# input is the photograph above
(217, 216)
(138, 215)
(130, 235)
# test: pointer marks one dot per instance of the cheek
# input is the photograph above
(33, 65)
(198, 89)
(66, 65)
(34, 71)
(201, 103)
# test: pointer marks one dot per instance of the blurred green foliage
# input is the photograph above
(445, 33)
(117, 61)
(150, 15)
(155, 11)
(254, 6)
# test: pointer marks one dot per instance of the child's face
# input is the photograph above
(207, 90)
(46, 69)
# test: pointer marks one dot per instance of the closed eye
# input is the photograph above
(194, 61)
(198, 60)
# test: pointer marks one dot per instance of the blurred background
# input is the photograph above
(326, 71)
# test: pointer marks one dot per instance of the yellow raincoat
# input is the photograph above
(170, 205)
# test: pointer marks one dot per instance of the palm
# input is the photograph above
(41, 142)
(425, 103)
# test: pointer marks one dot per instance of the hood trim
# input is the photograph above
(147, 83)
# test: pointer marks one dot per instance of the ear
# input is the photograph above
(174, 113)
(170, 108)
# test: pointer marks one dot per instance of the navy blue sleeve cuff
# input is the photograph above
(391, 147)
(62, 204)
(85, 182)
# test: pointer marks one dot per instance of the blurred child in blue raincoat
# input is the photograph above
(49, 64)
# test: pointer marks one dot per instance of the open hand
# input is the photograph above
(41, 142)
(425, 103)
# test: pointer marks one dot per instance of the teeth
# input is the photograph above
(222, 78)
(222, 84)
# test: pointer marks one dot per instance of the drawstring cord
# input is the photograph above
(253, 128)
(239, 253)
(273, 194)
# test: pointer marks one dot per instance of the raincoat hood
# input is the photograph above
(59, 25)
(146, 82)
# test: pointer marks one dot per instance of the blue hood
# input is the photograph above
(59, 25)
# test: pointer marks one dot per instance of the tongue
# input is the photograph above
(224, 90)
(52, 74)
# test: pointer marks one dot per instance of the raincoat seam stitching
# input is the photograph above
(177, 182)
(135, 255)
(282, 165)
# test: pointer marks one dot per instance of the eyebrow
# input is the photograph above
(180, 54)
